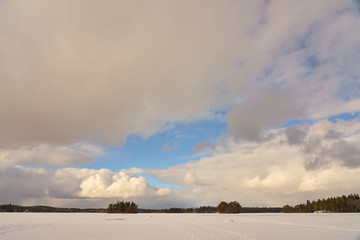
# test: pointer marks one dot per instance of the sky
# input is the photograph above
(178, 103)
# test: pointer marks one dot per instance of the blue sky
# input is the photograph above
(181, 103)
(162, 150)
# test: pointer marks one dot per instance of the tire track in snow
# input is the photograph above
(197, 231)
(19, 227)
(242, 236)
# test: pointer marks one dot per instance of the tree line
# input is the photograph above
(40, 208)
(350, 203)
(223, 207)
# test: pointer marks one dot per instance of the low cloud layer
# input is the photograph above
(290, 163)
(19, 184)
(293, 163)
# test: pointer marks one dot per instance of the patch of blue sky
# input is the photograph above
(313, 61)
(292, 122)
(162, 150)
(298, 122)
(350, 90)
(345, 116)
(333, 119)
(155, 182)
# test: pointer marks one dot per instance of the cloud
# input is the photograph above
(272, 172)
(105, 184)
(169, 148)
(327, 143)
(76, 154)
(295, 134)
(276, 171)
(265, 107)
(84, 188)
(310, 73)
(18, 183)
(21, 183)
(100, 72)
(163, 191)
(204, 146)
(85, 71)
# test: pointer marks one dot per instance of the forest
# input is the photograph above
(350, 203)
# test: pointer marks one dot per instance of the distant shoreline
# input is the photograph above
(50, 209)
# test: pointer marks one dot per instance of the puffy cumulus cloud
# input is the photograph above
(19, 184)
(98, 184)
(105, 184)
(51, 155)
(277, 170)
(326, 143)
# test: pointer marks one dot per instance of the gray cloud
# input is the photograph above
(19, 183)
(295, 134)
(265, 107)
(99, 72)
(204, 146)
(302, 77)
(326, 147)
(51, 155)
(347, 153)
(102, 71)
(332, 134)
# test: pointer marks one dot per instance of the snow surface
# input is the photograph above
(31, 226)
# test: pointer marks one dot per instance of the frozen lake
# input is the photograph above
(54, 226)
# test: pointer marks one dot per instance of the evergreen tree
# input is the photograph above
(232, 207)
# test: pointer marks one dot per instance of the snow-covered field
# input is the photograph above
(54, 226)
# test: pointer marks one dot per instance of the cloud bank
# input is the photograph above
(291, 163)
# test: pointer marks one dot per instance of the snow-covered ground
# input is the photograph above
(87, 226)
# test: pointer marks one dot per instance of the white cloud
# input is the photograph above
(163, 191)
(105, 184)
